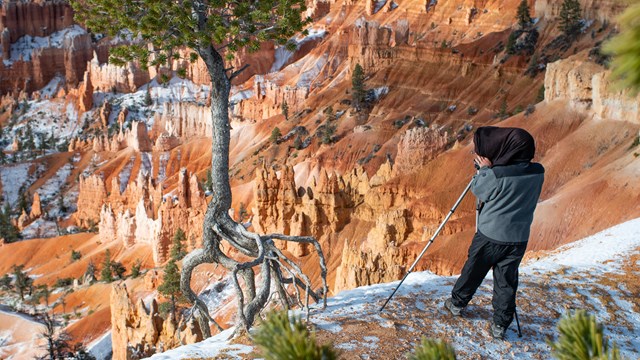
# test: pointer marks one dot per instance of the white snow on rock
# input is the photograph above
(24, 46)
(52, 87)
(125, 174)
(40, 228)
(416, 310)
(215, 345)
(240, 95)
(308, 75)
(282, 55)
(52, 187)
(13, 177)
(101, 347)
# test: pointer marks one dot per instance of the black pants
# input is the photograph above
(505, 259)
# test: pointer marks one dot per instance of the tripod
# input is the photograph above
(453, 209)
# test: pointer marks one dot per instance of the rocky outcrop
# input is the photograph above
(140, 214)
(319, 210)
(266, 98)
(85, 100)
(138, 330)
(35, 18)
(109, 77)
(70, 59)
(91, 195)
(586, 86)
(318, 9)
(419, 146)
(166, 142)
(36, 207)
(5, 41)
(601, 10)
(186, 120)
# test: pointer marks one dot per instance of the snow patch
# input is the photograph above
(125, 174)
(52, 187)
(240, 95)
(282, 55)
(101, 347)
(13, 178)
(24, 46)
(213, 346)
(379, 5)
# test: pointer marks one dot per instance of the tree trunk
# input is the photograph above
(219, 226)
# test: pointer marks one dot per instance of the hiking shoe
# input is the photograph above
(455, 310)
(497, 331)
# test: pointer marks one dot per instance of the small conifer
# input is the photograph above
(285, 110)
(106, 274)
(177, 248)
(570, 18)
(523, 16)
(281, 338)
(170, 286)
(430, 349)
(358, 91)
(582, 338)
(275, 134)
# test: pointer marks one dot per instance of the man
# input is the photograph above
(507, 186)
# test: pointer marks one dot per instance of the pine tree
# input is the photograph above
(502, 113)
(326, 132)
(279, 337)
(275, 135)
(582, 338)
(540, 95)
(624, 48)
(44, 292)
(21, 281)
(29, 143)
(89, 273)
(297, 143)
(118, 269)
(135, 268)
(106, 274)
(329, 114)
(214, 32)
(571, 18)
(52, 142)
(285, 109)
(8, 231)
(177, 248)
(5, 282)
(430, 349)
(523, 16)
(147, 97)
(358, 91)
(170, 286)
(23, 204)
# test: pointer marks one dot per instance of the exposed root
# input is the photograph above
(264, 253)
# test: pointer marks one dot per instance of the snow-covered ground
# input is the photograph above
(576, 276)
(101, 348)
(13, 178)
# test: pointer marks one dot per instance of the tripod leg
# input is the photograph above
(515, 312)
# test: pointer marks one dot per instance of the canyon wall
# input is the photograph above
(587, 86)
(138, 330)
(35, 18)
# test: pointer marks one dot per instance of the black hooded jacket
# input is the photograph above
(509, 190)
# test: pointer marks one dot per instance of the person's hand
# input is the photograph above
(482, 161)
